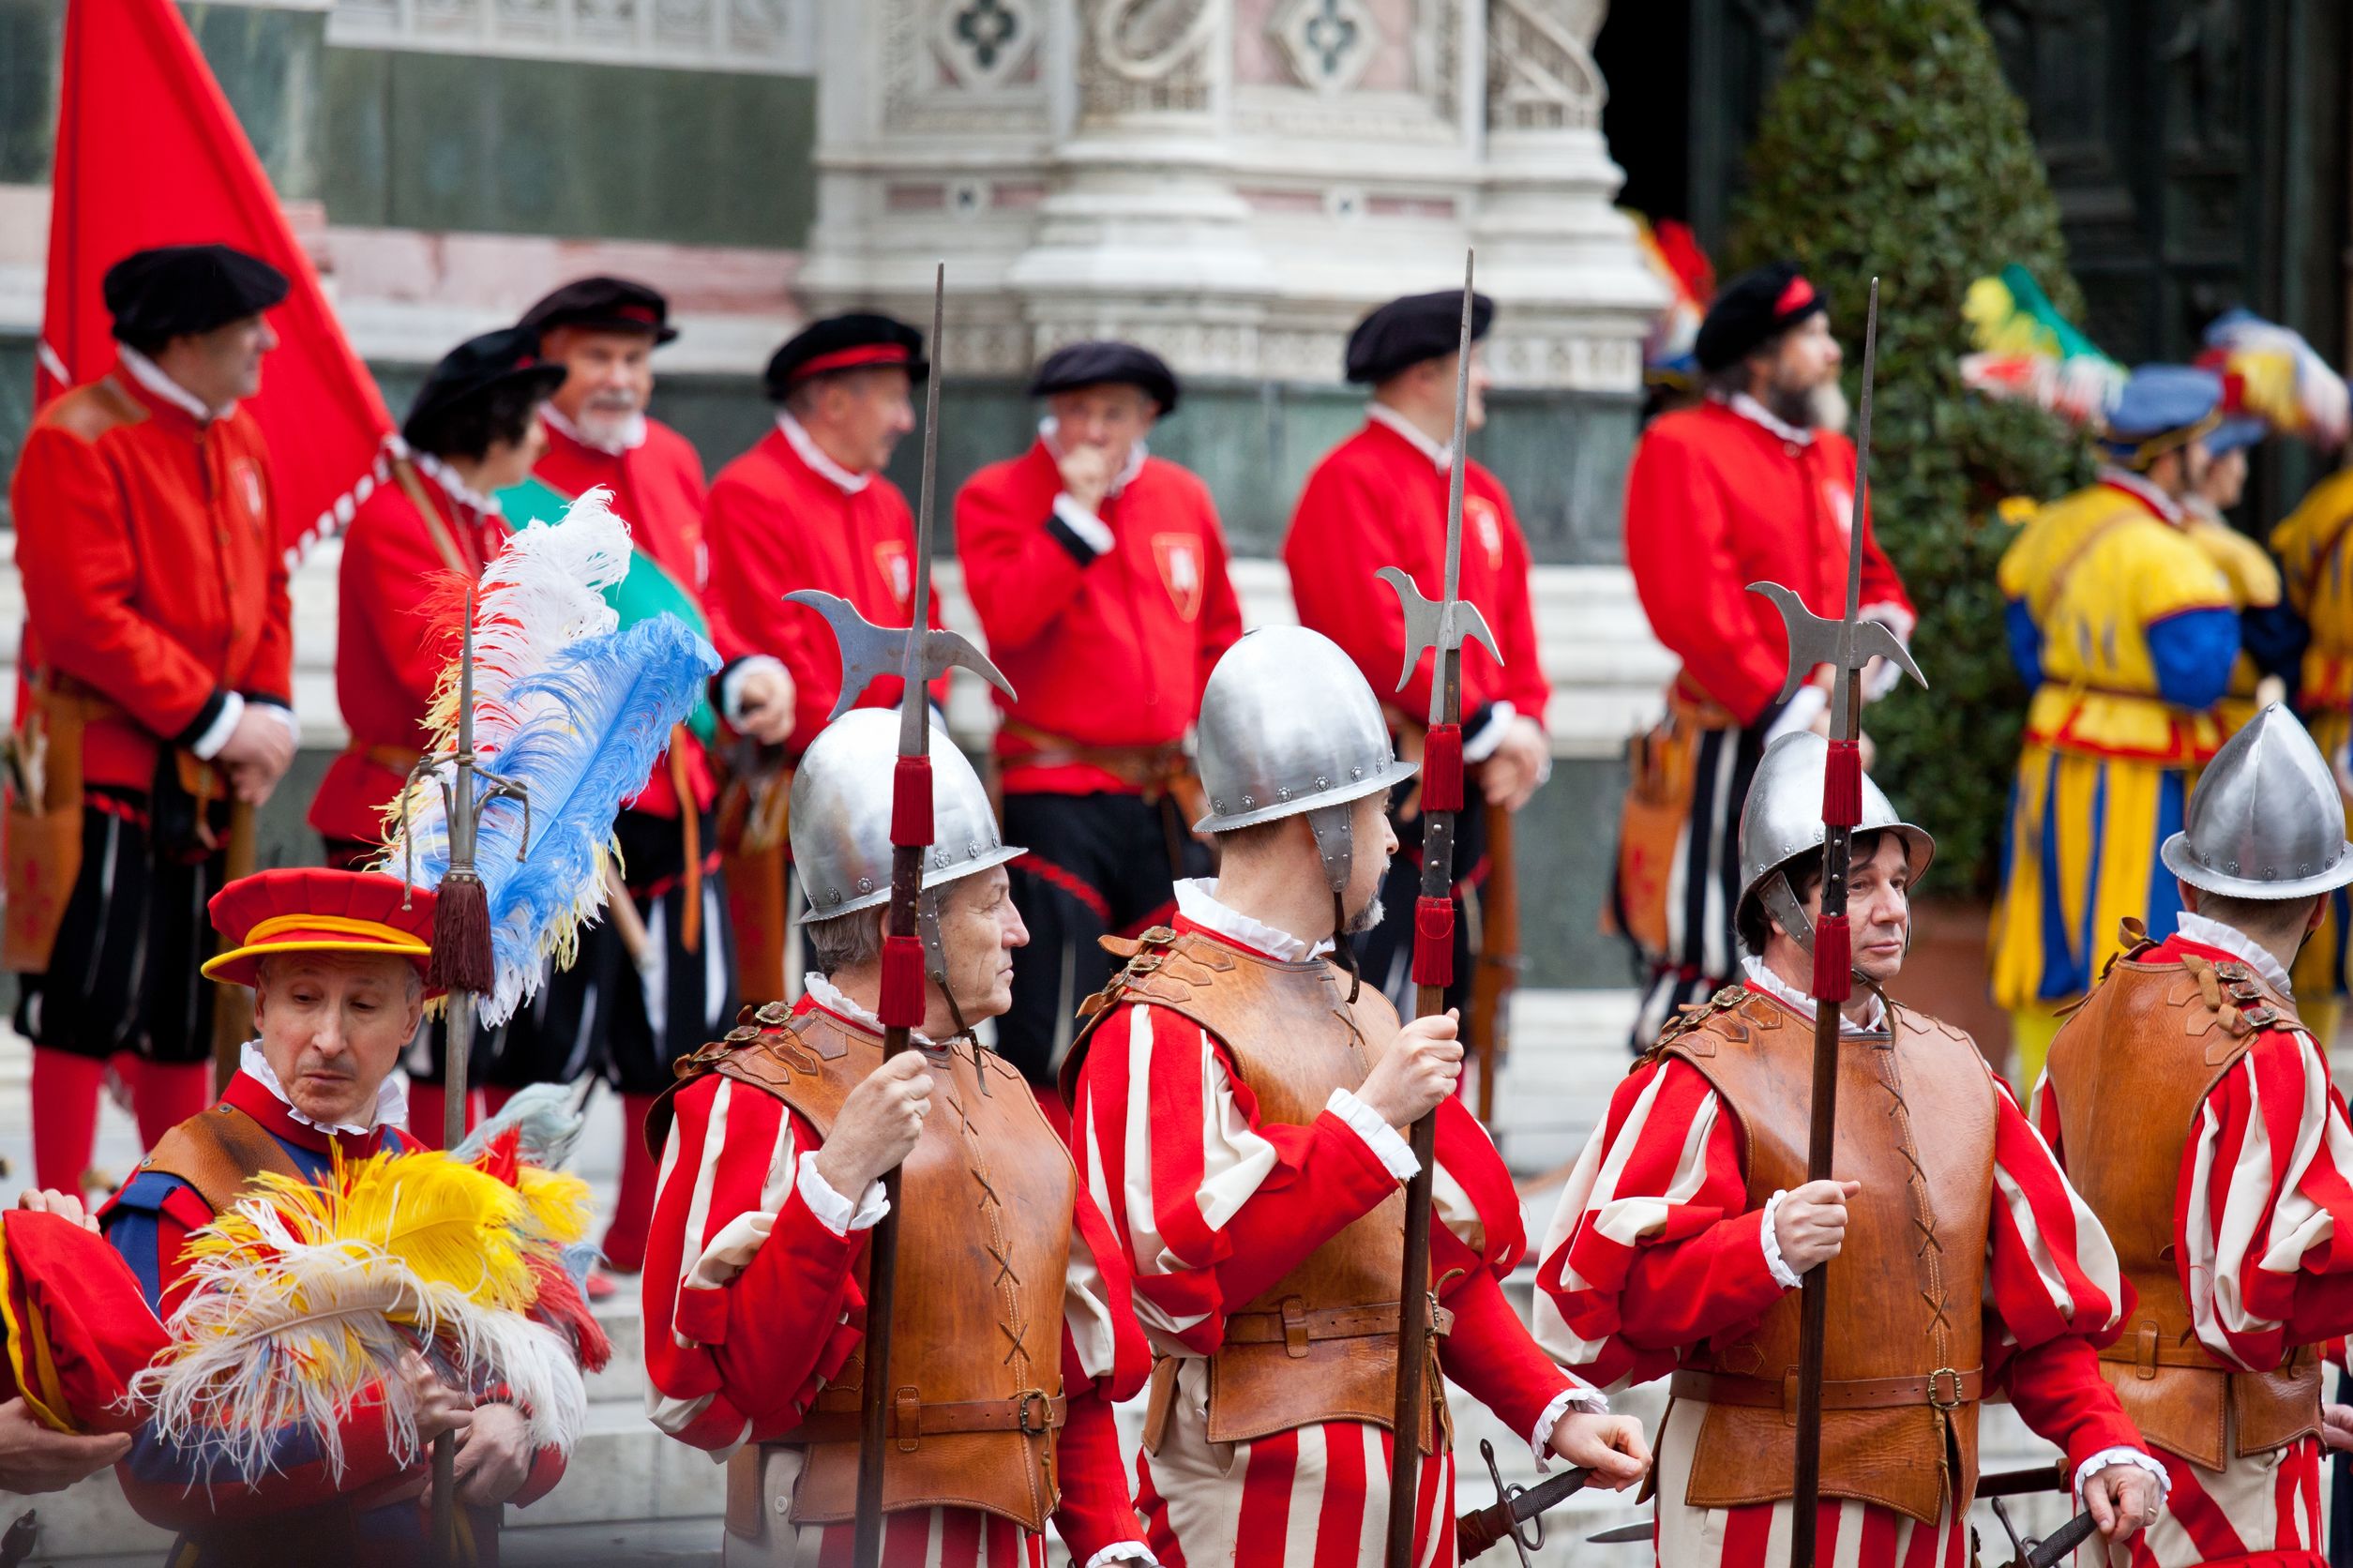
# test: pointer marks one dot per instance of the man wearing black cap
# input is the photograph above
(808, 507)
(619, 1014)
(1099, 575)
(158, 657)
(472, 430)
(1380, 499)
(1754, 484)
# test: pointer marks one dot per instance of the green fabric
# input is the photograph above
(645, 591)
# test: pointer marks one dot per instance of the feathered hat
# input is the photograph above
(2271, 373)
(78, 1325)
(2026, 351)
(1670, 350)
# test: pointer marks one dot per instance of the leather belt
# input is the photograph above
(835, 1417)
(2145, 1349)
(1295, 1326)
(1138, 766)
(392, 759)
(1945, 1388)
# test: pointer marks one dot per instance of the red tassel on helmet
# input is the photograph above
(1434, 941)
(1833, 960)
(1841, 785)
(911, 802)
(1441, 768)
(900, 1005)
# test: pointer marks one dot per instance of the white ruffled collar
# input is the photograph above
(452, 487)
(805, 447)
(1196, 901)
(1801, 1005)
(2192, 927)
(834, 1000)
(392, 1096)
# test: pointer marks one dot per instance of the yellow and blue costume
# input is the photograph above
(2312, 546)
(2128, 632)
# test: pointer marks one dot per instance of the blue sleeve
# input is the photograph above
(2026, 641)
(2192, 653)
(130, 1224)
(2275, 638)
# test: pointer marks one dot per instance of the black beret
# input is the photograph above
(857, 342)
(1403, 332)
(602, 305)
(175, 290)
(475, 369)
(1101, 364)
(1753, 308)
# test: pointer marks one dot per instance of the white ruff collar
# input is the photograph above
(1802, 1005)
(452, 487)
(1196, 901)
(2230, 939)
(834, 1000)
(392, 1099)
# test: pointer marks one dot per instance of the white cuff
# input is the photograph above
(1478, 747)
(1123, 1551)
(1809, 701)
(1092, 530)
(1578, 1397)
(2133, 1457)
(207, 746)
(1773, 1265)
(730, 685)
(1379, 1136)
(832, 1210)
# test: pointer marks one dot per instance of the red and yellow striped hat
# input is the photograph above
(314, 909)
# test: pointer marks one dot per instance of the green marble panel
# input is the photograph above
(32, 42)
(16, 397)
(1567, 842)
(455, 141)
(269, 65)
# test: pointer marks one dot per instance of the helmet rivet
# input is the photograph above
(1356, 772)
(1245, 803)
(1218, 801)
(865, 885)
(1283, 793)
(1323, 783)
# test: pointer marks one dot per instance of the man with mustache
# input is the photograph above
(336, 960)
(1239, 1103)
(619, 1015)
(158, 660)
(1013, 1330)
(1755, 483)
(1964, 1261)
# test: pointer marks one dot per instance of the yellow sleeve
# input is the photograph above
(2253, 580)
(2306, 530)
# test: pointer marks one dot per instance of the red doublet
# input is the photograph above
(1376, 499)
(1107, 650)
(776, 525)
(1717, 501)
(386, 661)
(152, 573)
(657, 491)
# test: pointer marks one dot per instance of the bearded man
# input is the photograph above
(1754, 484)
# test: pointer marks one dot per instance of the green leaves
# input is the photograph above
(1893, 147)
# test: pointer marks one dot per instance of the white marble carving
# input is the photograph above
(769, 36)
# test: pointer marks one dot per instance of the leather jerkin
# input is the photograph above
(2132, 1068)
(217, 1152)
(986, 1205)
(1319, 1344)
(1916, 1116)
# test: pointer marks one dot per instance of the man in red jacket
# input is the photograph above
(474, 430)
(156, 653)
(618, 1012)
(808, 507)
(1752, 485)
(1380, 499)
(1099, 574)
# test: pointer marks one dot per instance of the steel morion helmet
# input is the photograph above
(1288, 726)
(2266, 819)
(1782, 819)
(841, 825)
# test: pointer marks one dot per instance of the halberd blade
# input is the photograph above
(1814, 639)
(869, 653)
(1426, 623)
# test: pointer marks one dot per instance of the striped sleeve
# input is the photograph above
(2050, 1269)
(1653, 1247)
(2264, 1226)
(1209, 1205)
(748, 1299)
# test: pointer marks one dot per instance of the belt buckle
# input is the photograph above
(1027, 1401)
(1952, 1404)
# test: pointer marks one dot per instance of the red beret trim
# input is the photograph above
(850, 358)
(636, 313)
(1796, 297)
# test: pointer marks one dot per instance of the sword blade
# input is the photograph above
(913, 717)
(1624, 1534)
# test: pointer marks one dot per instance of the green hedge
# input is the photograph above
(1891, 146)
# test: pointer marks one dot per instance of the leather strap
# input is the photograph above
(1943, 1387)
(2145, 1347)
(834, 1416)
(1141, 766)
(216, 1153)
(1297, 1327)
(445, 540)
(392, 759)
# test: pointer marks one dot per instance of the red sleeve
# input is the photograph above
(1490, 1351)
(546, 1469)
(2059, 1392)
(756, 560)
(1095, 1511)
(1524, 681)
(388, 561)
(1880, 582)
(1678, 548)
(271, 674)
(81, 570)
(1342, 531)
(1019, 575)
(1221, 608)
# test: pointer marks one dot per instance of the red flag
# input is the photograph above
(149, 153)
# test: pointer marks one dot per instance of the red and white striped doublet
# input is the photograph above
(750, 1305)
(1655, 1251)
(1212, 1206)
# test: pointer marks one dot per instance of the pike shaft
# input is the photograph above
(914, 720)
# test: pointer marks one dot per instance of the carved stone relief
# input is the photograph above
(1144, 56)
(1541, 74)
